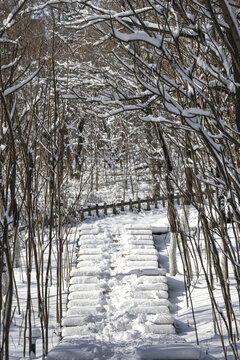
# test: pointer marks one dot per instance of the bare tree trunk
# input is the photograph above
(5, 277)
(17, 252)
(9, 296)
(184, 217)
(172, 212)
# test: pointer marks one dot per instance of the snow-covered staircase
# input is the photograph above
(88, 286)
(149, 295)
(119, 292)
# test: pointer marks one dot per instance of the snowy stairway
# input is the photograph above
(149, 296)
(118, 293)
(87, 286)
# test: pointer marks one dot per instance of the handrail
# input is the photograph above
(149, 201)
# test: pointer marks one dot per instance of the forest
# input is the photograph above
(108, 102)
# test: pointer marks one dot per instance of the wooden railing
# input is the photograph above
(130, 204)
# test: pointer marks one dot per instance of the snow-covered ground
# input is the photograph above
(120, 332)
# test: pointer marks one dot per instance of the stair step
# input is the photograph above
(87, 287)
(84, 280)
(176, 351)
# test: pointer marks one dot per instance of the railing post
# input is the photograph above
(178, 199)
(82, 214)
(89, 210)
(155, 202)
(148, 204)
(139, 204)
(163, 201)
(97, 210)
(105, 209)
(130, 205)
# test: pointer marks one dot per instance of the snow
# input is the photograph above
(233, 19)
(83, 280)
(140, 232)
(89, 310)
(150, 294)
(116, 312)
(160, 229)
(182, 351)
(77, 349)
(87, 294)
(139, 251)
(141, 264)
(89, 245)
(142, 257)
(148, 286)
(141, 242)
(138, 227)
(88, 271)
(87, 264)
(91, 257)
(139, 36)
(85, 287)
(83, 295)
(85, 231)
(146, 302)
(152, 279)
(76, 302)
(90, 251)
(139, 236)
(192, 112)
(9, 21)
(20, 85)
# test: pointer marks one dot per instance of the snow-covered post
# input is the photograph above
(172, 253)
(35, 335)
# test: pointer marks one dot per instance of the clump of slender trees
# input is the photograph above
(91, 91)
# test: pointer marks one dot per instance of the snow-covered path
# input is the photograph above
(119, 294)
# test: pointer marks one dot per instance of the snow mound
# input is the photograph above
(91, 231)
(140, 232)
(91, 257)
(152, 279)
(88, 271)
(149, 272)
(169, 351)
(155, 310)
(145, 302)
(150, 286)
(139, 251)
(141, 264)
(75, 349)
(160, 229)
(90, 251)
(138, 237)
(86, 310)
(150, 294)
(86, 287)
(82, 302)
(144, 257)
(161, 329)
(84, 280)
(138, 227)
(86, 294)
